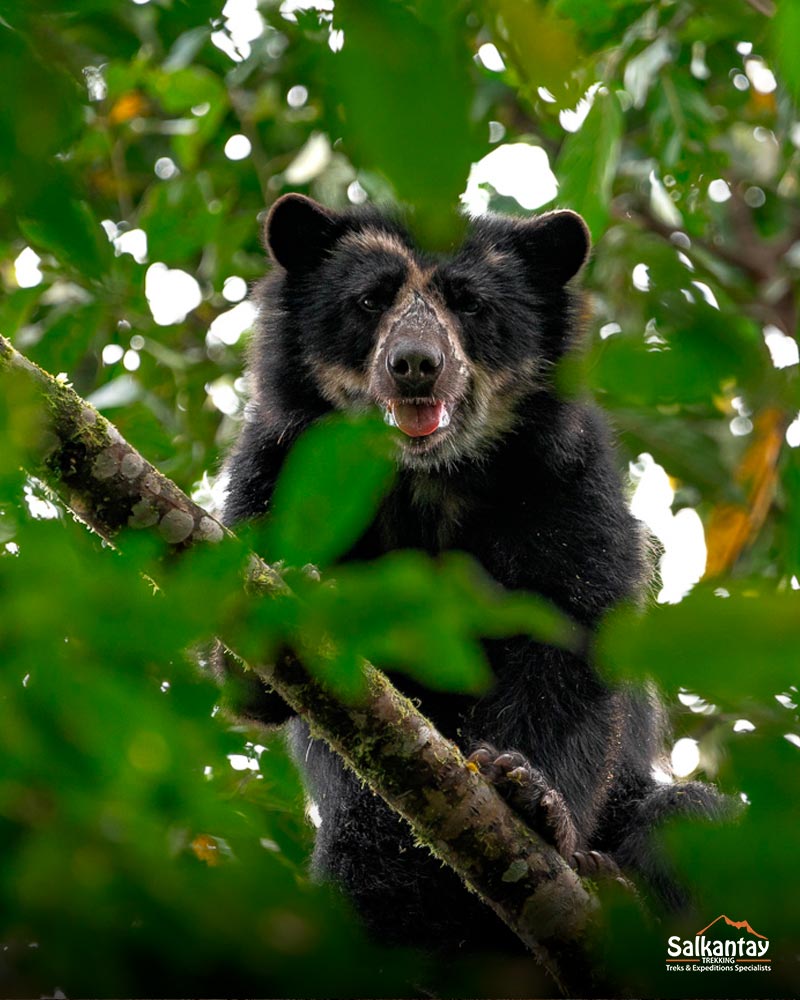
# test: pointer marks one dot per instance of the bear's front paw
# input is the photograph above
(600, 867)
(595, 864)
(530, 793)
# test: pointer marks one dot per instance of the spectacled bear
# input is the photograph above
(460, 354)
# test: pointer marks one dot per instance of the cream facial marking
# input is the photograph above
(375, 241)
(342, 386)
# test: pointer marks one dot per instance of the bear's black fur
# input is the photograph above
(460, 354)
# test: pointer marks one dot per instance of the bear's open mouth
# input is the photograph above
(417, 418)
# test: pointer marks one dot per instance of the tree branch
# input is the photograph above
(383, 737)
(765, 7)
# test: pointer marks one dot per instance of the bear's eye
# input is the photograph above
(372, 303)
(467, 304)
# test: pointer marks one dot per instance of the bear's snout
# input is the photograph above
(414, 366)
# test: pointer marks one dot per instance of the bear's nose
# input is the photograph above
(415, 366)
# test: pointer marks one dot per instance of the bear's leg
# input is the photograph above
(635, 850)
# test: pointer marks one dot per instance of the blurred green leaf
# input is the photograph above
(333, 480)
(730, 649)
(421, 617)
(587, 164)
(689, 449)
(186, 199)
(686, 360)
(52, 219)
(45, 117)
(104, 837)
(791, 484)
(785, 29)
(388, 103)
(183, 89)
(421, 628)
(46, 112)
(540, 44)
(590, 15)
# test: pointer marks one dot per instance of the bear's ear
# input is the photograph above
(555, 245)
(298, 231)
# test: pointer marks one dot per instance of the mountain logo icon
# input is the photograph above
(736, 924)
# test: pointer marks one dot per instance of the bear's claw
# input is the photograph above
(530, 793)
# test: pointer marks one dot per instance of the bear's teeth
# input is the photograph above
(388, 416)
(444, 418)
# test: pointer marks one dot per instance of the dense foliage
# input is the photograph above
(146, 848)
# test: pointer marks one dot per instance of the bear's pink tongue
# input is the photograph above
(417, 419)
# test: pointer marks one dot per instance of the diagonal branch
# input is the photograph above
(765, 7)
(382, 736)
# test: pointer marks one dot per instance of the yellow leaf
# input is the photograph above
(130, 105)
(206, 849)
(732, 527)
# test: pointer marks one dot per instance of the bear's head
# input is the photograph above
(355, 316)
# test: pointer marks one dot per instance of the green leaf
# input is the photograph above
(587, 164)
(540, 44)
(181, 90)
(689, 449)
(695, 350)
(791, 486)
(728, 649)
(399, 613)
(589, 14)
(405, 92)
(53, 218)
(331, 485)
(783, 37)
(422, 617)
(185, 48)
(45, 114)
(44, 117)
(179, 197)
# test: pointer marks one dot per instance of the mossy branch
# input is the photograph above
(382, 737)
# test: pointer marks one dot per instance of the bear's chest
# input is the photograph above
(430, 514)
